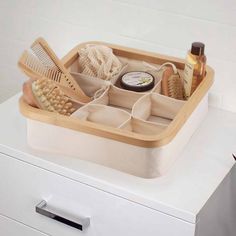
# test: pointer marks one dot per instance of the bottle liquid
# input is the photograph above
(195, 68)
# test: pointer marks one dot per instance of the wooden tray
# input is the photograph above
(144, 155)
(121, 135)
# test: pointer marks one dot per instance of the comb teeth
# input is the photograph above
(44, 57)
(36, 66)
(33, 63)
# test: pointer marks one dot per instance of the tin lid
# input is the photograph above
(138, 81)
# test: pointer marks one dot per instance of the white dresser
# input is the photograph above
(195, 198)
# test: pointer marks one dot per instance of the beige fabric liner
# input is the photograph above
(142, 127)
(144, 113)
(90, 85)
(119, 98)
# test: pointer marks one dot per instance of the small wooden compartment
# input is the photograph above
(138, 133)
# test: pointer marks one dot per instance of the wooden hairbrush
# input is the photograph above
(46, 95)
(171, 83)
(43, 62)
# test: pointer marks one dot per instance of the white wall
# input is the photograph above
(162, 26)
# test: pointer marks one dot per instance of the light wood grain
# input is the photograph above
(117, 134)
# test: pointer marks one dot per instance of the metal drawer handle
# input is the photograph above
(81, 225)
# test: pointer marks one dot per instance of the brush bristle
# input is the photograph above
(51, 98)
(175, 87)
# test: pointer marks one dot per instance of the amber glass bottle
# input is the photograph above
(194, 70)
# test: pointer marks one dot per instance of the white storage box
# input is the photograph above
(138, 133)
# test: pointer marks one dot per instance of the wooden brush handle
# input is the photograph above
(28, 94)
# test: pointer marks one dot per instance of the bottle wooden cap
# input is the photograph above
(197, 48)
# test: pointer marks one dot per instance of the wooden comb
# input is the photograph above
(43, 62)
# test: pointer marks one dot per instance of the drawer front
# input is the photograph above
(9, 227)
(23, 186)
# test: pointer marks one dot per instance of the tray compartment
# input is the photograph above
(142, 127)
(137, 65)
(102, 114)
(90, 85)
(118, 98)
(157, 108)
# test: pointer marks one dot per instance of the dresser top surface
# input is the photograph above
(182, 192)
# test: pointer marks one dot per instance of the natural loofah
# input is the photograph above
(99, 61)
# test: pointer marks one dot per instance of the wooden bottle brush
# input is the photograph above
(171, 83)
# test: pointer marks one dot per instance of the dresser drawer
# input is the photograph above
(23, 186)
(9, 227)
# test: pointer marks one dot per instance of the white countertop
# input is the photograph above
(182, 192)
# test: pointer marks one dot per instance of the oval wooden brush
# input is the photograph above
(171, 84)
(46, 95)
